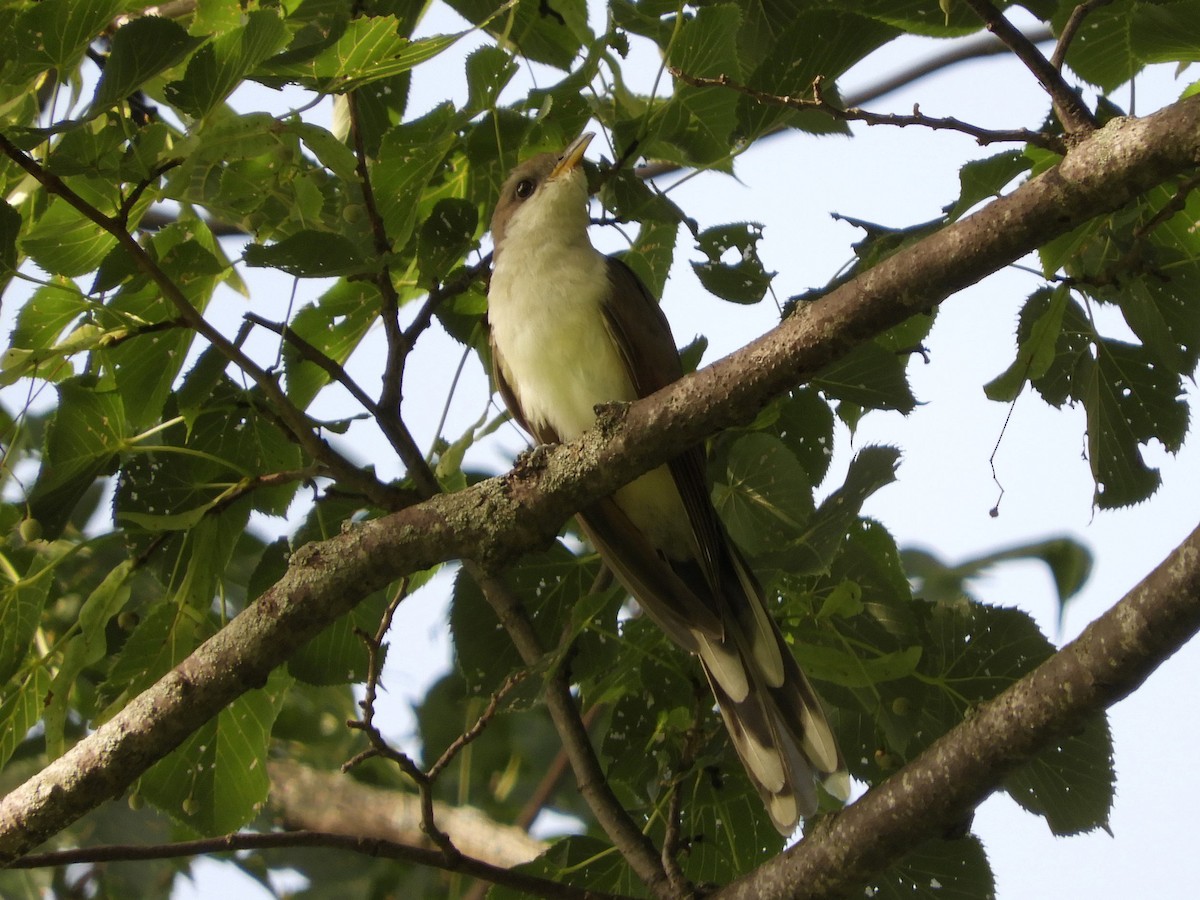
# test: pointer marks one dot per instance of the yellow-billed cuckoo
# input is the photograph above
(572, 328)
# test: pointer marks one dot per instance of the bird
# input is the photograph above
(571, 328)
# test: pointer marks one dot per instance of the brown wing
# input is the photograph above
(644, 338)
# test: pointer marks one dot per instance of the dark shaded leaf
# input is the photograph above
(141, 48)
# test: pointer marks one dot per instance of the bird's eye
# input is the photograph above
(525, 188)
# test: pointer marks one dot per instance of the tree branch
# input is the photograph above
(631, 843)
(312, 800)
(501, 517)
(530, 885)
(1078, 14)
(854, 114)
(1076, 118)
(925, 798)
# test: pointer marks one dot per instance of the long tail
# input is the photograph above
(779, 731)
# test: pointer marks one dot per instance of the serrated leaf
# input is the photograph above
(983, 178)
(871, 469)
(870, 376)
(141, 48)
(82, 442)
(65, 242)
(1070, 784)
(1102, 53)
(1166, 32)
(955, 869)
(548, 583)
(56, 32)
(532, 30)
(812, 43)
(21, 604)
(370, 49)
(445, 237)
(10, 230)
(488, 69)
(334, 325)
(1041, 321)
(741, 281)
(220, 65)
(696, 123)
(21, 708)
(216, 781)
(652, 253)
(310, 254)
(765, 499)
(408, 157)
(1129, 401)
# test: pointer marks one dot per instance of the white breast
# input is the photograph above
(545, 311)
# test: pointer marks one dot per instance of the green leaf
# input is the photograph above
(56, 32)
(222, 64)
(743, 280)
(82, 443)
(21, 604)
(334, 325)
(1166, 32)
(955, 869)
(871, 469)
(216, 781)
(408, 158)
(21, 707)
(141, 49)
(552, 35)
(652, 254)
(804, 422)
(1129, 401)
(310, 254)
(549, 584)
(445, 237)
(984, 178)
(696, 123)
(766, 498)
(811, 44)
(870, 376)
(10, 230)
(1069, 562)
(65, 242)
(1070, 784)
(1041, 325)
(1102, 52)
(853, 670)
(370, 49)
(489, 70)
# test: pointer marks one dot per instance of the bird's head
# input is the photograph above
(545, 195)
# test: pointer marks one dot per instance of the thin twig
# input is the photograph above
(388, 409)
(379, 745)
(489, 712)
(443, 292)
(1076, 118)
(624, 833)
(373, 847)
(1078, 14)
(311, 354)
(819, 103)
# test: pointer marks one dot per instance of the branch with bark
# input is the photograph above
(502, 517)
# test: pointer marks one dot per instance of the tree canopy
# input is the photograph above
(208, 520)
